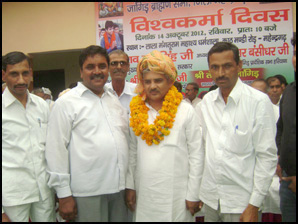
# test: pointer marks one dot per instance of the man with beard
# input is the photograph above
(119, 66)
(238, 129)
(87, 150)
(25, 193)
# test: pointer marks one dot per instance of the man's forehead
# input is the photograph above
(95, 59)
(16, 66)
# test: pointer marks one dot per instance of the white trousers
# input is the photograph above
(41, 211)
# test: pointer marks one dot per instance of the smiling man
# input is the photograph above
(165, 158)
(238, 129)
(87, 150)
(25, 193)
(119, 66)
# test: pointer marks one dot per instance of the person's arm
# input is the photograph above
(57, 157)
(130, 191)
(279, 126)
(196, 161)
(118, 41)
(5, 217)
(68, 208)
(250, 214)
(292, 185)
(263, 140)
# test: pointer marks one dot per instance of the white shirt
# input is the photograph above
(276, 111)
(24, 177)
(194, 102)
(87, 150)
(241, 154)
(127, 94)
(271, 203)
(166, 175)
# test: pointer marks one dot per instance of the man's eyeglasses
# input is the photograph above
(116, 63)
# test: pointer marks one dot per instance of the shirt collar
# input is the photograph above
(234, 95)
(81, 88)
(236, 91)
(9, 99)
(126, 90)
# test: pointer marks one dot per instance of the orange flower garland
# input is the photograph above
(154, 133)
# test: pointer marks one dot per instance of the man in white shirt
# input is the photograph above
(238, 132)
(262, 85)
(87, 150)
(119, 66)
(165, 158)
(25, 193)
(272, 200)
(275, 89)
(191, 92)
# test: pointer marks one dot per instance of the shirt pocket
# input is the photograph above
(172, 139)
(119, 119)
(240, 142)
(42, 133)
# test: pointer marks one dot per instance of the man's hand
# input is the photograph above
(279, 172)
(193, 206)
(114, 44)
(292, 185)
(130, 198)
(68, 208)
(250, 214)
(5, 218)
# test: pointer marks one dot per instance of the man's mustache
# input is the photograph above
(21, 85)
(118, 70)
(95, 76)
(154, 91)
(221, 78)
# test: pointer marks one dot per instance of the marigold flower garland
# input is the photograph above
(154, 133)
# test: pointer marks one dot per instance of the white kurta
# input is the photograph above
(166, 175)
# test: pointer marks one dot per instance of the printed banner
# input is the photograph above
(185, 31)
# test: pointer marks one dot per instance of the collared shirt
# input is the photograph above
(24, 177)
(241, 155)
(286, 131)
(127, 94)
(87, 151)
(194, 102)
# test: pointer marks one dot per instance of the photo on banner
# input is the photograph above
(185, 31)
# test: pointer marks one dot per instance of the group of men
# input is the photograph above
(105, 149)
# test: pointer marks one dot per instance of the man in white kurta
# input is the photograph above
(166, 177)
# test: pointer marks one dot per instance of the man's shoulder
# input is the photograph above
(131, 85)
(184, 105)
(38, 100)
(251, 92)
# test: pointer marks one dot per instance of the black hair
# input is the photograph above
(194, 84)
(281, 79)
(225, 46)
(293, 41)
(91, 51)
(118, 51)
(109, 24)
(13, 58)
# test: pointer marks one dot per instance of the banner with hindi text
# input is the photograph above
(185, 31)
